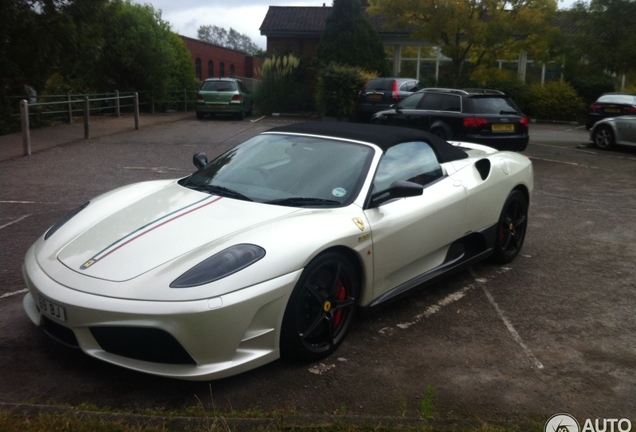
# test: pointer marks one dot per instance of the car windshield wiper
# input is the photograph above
(508, 112)
(300, 201)
(221, 191)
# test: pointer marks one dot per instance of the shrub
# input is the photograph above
(555, 100)
(279, 89)
(338, 88)
(592, 86)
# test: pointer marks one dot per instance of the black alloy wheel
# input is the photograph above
(321, 308)
(511, 228)
(603, 137)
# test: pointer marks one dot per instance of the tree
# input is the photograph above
(229, 39)
(141, 52)
(479, 31)
(350, 39)
(606, 37)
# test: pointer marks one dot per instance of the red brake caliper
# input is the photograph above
(340, 295)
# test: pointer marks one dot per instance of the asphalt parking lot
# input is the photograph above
(554, 331)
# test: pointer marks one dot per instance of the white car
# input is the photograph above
(609, 132)
(269, 249)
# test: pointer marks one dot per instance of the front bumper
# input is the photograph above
(222, 336)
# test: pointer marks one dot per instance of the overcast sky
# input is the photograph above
(245, 16)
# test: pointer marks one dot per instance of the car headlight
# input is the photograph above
(220, 265)
(65, 219)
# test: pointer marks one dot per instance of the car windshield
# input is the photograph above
(619, 99)
(289, 170)
(218, 86)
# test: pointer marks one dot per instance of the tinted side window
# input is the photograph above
(414, 161)
(451, 103)
(411, 101)
(409, 86)
(432, 101)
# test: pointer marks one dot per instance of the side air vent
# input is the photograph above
(483, 167)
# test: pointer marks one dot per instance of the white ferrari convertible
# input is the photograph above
(268, 250)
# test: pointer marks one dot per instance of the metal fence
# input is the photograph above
(70, 104)
(67, 106)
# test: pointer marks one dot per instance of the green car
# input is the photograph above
(224, 96)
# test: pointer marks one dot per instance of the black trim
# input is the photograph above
(63, 335)
(140, 343)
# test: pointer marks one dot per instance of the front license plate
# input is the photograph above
(503, 128)
(51, 309)
(612, 110)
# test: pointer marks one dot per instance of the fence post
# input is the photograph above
(136, 111)
(185, 100)
(26, 135)
(70, 108)
(87, 119)
(117, 111)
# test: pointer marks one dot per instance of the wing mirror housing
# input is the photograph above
(399, 189)
(200, 160)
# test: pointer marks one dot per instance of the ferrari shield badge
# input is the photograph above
(359, 223)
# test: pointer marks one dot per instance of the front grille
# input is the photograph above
(146, 344)
(60, 333)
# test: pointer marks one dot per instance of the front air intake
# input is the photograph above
(139, 343)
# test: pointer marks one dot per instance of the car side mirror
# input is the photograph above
(399, 189)
(200, 160)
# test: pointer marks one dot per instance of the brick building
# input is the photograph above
(215, 61)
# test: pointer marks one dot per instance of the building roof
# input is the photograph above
(308, 20)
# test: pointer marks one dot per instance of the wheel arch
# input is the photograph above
(353, 257)
(439, 124)
(524, 190)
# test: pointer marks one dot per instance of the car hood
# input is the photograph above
(158, 228)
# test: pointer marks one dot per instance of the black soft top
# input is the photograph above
(384, 137)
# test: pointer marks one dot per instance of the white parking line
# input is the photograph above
(15, 221)
(11, 294)
(508, 324)
(566, 163)
(451, 298)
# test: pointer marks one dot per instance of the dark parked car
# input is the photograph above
(380, 93)
(611, 105)
(224, 96)
(479, 116)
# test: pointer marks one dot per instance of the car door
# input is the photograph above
(626, 129)
(411, 235)
(406, 114)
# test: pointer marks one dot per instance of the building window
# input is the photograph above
(222, 70)
(197, 68)
(231, 70)
(210, 69)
